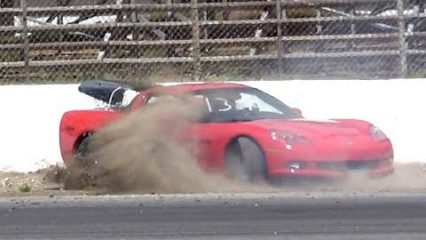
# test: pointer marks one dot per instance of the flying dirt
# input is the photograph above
(144, 152)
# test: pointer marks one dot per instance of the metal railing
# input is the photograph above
(65, 40)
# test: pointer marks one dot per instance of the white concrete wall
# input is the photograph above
(30, 114)
(29, 123)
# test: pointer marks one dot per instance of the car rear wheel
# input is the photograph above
(83, 153)
(245, 161)
(81, 174)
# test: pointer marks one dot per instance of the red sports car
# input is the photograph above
(244, 131)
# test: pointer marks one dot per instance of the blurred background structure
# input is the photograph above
(180, 40)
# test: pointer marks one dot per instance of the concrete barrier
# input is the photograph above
(29, 124)
(31, 113)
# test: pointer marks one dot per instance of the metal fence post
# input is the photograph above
(60, 3)
(402, 40)
(26, 41)
(195, 52)
(279, 38)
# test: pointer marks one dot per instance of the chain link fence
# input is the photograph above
(180, 40)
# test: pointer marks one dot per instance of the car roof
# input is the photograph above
(191, 87)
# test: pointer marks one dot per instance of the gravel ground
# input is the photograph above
(49, 182)
(43, 182)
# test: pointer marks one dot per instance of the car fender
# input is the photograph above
(75, 125)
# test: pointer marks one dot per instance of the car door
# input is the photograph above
(210, 143)
(211, 137)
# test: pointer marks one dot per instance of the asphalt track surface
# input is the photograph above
(238, 216)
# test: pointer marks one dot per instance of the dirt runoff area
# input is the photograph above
(50, 182)
(44, 182)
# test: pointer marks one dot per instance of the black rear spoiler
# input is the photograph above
(108, 91)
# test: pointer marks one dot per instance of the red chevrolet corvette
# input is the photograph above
(244, 132)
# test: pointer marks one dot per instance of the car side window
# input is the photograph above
(219, 104)
(252, 102)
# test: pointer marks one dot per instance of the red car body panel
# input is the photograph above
(330, 146)
(77, 124)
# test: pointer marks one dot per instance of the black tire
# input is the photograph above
(82, 173)
(245, 161)
(83, 154)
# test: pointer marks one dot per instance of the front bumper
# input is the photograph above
(372, 159)
(336, 169)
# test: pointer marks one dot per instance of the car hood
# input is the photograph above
(308, 128)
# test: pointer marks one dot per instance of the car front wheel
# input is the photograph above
(245, 161)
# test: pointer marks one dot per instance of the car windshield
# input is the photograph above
(242, 104)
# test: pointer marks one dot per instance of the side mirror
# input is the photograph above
(298, 112)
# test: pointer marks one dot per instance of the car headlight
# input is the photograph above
(377, 134)
(288, 137)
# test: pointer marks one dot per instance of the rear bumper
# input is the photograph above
(67, 147)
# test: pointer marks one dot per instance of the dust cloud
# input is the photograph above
(149, 152)
(407, 177)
